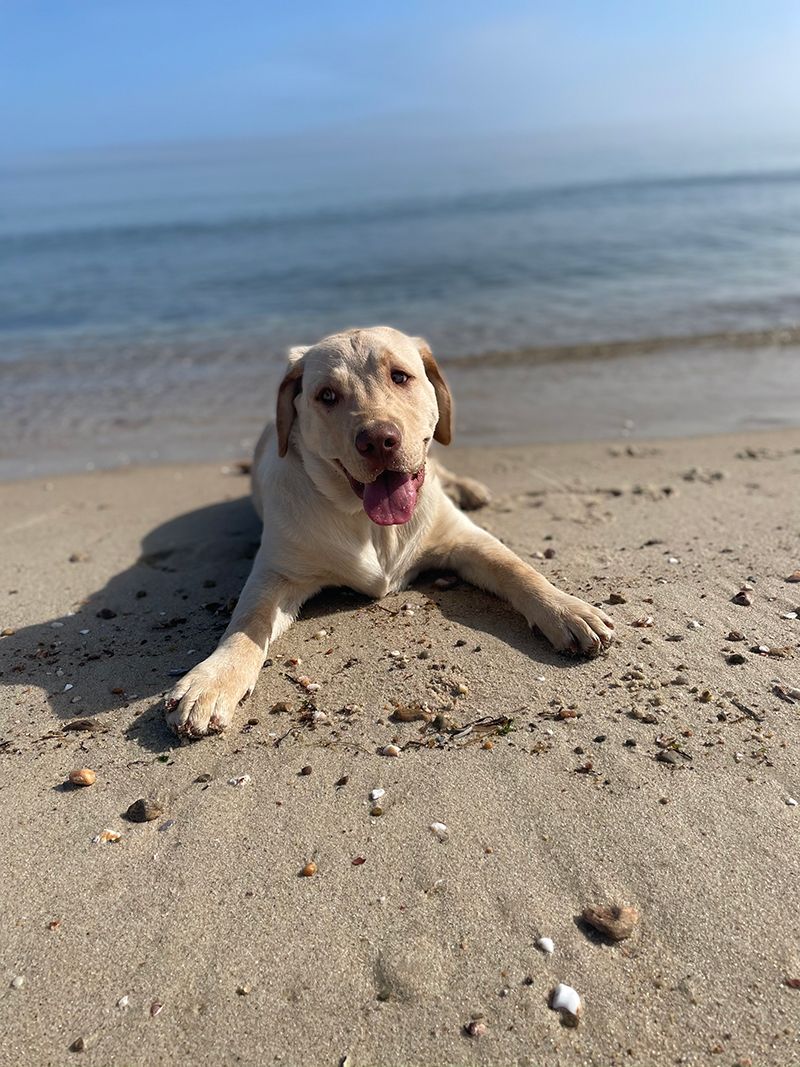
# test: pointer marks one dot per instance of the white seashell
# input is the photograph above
(84, 632)
(320, 634)
(18, 981)
(123, 1002)
(390, 750)
(68, 686)
(673, 559)
(546, 945)
(566, 999)
(540, 678)
(241, 779)
(791, 802)
(439, 830)
(313, 687)
(376, 794)
(396, 654)
(789, 615)
(693, 624)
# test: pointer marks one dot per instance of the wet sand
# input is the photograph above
(201, 920)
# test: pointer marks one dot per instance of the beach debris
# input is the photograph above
(439, 831)
(242, 990)
(305, 771)
(79, 724)
(793, 577)
(412, 713)
(144, 810)
(615, 921)
(792, 983)
(476, 1027)
(18, 981)
(743, 597)
(342, 781)
(734, 635)
(309, 870)
(106, 613)
(376, 794)
(786, 652)
(67, 687)
(736, 659)
(390, 750)
(461, 689)
(616, 598)
(546, 945)
(156, 1008)
(106, 837)
(240, 780)
(205, 777)
(319, 635)
(565, 999)
(643, 623)
(82, 776)
(80, 1044)
(376, 810)
(357, 862)
(124, 1001)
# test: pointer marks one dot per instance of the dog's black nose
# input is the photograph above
(380, 440)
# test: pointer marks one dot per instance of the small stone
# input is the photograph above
(239, 780)
(376, 794)
(342, 781)
(309, 870)
(665, 756)
(742, 597)
(736, 659)
(617, 598)
(7, 632)
(793, 577)
(549, 553)
(734, 635)
(615, 921)
(305, 771)
(439, 831)
(143, 810)
(476, 1027)
(156, 1008)
(106, 613)
(390, 750)
(82, 776)
(205, 777)
(18, 981)
(693, 624)
(462, 689)
(376, 811)
(242, 990)
(791, 802)
(446, 582)
(546, 945)
(78, 557)
(80, 1044)
(564, 999)
(487, 745)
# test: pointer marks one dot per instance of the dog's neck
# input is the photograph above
(328, 481)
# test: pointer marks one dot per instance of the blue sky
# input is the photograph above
(92, 73)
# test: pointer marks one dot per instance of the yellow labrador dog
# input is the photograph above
(349, 497)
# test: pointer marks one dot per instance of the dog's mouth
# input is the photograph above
(391, 498)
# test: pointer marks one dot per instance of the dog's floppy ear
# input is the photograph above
(444, 427)
(287, 391)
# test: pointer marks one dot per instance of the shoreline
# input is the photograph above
(215, 405)
(194, 936)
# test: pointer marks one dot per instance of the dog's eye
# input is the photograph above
(399, 377)
(327, 396)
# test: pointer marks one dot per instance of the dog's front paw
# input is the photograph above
(571, 625)
(204, 700)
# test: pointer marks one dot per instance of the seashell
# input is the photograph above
(643, 623)
(376, 794)
(743, 597)
(791, 802)
(462, 689)
(476, 1027)
(18, 981)
(693, 624)
(546, 945)
(566, 1000)
(82, 776)
(615, 921)
(319, 635)
(239, 780)
(439, 830)
(106, 836)
(793, 577)
(390, 750)
(123, 1002)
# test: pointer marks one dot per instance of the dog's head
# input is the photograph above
(367, 403)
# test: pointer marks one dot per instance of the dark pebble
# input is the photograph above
(630, 743)
(736, 659)
(106, 613)
(306, 770)
(144, 810)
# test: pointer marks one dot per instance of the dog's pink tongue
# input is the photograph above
(390, 500)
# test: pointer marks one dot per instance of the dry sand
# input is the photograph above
(203, 910)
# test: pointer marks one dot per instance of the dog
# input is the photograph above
(349, 496)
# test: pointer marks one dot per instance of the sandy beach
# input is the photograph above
(660, 775)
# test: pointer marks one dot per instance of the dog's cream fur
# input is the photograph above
(316, 532)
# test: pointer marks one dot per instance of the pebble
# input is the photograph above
(617, 598)
(643, 623)
(309, 870)
(615, 921)
(446, 583)
(693, 624)
(82, 776)
(18, 981)
(240, 780)
(736, 659)
(390, 750)
(143, 810)
(376, 794)
(462, 689)
(565, 999)
(106, 613)
(793, 577)
(123, 1002)
(68, 686)
(319, 635)
(439, 830)
(546, 945)
(305, 771)
(791, 802)
(743, 597)
(476, 1027)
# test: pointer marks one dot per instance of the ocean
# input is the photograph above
(146, 303)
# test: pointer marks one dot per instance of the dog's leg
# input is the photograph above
(570, 624)
(204, 700)
(466, 493)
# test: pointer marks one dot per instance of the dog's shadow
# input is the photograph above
(165, 613)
